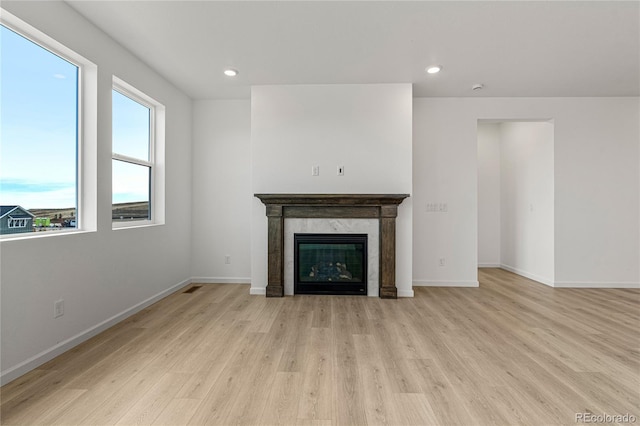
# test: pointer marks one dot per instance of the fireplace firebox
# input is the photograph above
(330, 264)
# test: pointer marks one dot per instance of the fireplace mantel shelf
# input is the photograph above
(333, 199)
(332, 206)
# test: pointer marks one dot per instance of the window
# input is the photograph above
(47, 93)
(38, 167)
(135, 132)
(17, 223)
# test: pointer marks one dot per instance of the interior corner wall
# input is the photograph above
(596, 146)
(527, 199)
(221, 215)
(366, 128)
(489, 195)
(106, 275)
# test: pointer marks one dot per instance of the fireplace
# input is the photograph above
(382, 208)
(330, 264)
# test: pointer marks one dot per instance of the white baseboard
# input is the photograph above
(220, 280)
(595, 284)
(432, 283)
(529, 275)
(488, 265)
(571, 284)
(35, 361)
(405, 293)
(258, 291)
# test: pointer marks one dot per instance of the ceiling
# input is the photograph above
(542, 48)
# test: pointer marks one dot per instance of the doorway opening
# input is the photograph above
(516, 204)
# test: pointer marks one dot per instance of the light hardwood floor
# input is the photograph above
(509, 352)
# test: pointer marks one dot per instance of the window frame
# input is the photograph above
(156, 141)
(86, 127)
(22, 223)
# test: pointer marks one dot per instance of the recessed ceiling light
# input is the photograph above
(434, 69)
(230, 72)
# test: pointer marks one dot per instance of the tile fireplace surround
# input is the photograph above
(383, 207)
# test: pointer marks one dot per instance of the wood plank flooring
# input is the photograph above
(509, 352)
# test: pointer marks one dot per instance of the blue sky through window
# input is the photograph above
(38, 125)
(130, 127)
(131, 137)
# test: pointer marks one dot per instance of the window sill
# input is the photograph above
(42, 234)
(117, 226)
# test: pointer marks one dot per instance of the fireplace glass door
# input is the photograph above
(330, 264)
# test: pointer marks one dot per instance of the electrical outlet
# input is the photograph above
(315, 171)
(227, 260)
(58, 308)
(442, 261)
(437, 207)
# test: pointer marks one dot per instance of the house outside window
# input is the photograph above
(15, 220)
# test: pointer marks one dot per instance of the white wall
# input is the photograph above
(106, 275)
(596, 148)
(527, 201)
(221, 216)
(445, 172)
(489, 195)
(365, 128)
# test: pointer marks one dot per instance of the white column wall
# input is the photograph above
(365, 128)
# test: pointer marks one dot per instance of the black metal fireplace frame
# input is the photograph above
(330, 287)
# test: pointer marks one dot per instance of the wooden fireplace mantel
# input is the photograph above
(332, 206)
